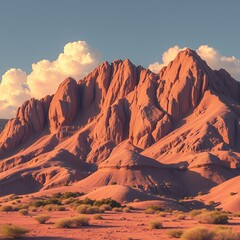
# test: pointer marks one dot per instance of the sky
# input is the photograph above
(42, 42)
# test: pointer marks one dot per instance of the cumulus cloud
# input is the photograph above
(13, 91)
(213, 58)
(76, 60)
(167, 57)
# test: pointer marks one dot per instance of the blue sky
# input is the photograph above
(74, 36)
(136, 29)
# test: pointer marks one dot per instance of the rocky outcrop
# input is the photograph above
(130, 125)
(64, 105)
(30, 119)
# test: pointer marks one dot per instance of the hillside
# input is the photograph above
(175, 133)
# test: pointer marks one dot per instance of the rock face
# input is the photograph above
(128, 125)
(64, 105)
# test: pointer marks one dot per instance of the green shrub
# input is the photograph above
(13, 231)
(213, 217)
(112, 203)
(155, 225)
(198, 233)
(175, 233)
(72, 222)
(42, 218)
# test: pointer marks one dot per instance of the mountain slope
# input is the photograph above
(175, 133)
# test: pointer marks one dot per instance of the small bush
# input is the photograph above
(112, 203)
(97, 217)
(23, 212)
(198, 233)
(211, 203)
(225, 233)
(181, 216)
(92, 210)
(13, 231)
(106, 207)
(213, 217)
(195, 212)
(7, 208)
(42, 218)
(175, 233)
(155, 225)
(232, 193)
(162, 214)
(149, 211)
(72, 222)
(126, 210)
(116, 209)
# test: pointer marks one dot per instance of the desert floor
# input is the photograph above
(114, 225)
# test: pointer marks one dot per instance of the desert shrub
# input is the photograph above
(126, 210)
(136, 200)
(6, 208)
(112, 203)
(87, 201)
(149, 211)
(23, 212)
(38, 203)
(13, 231)
(22, 206)
(117, 209)
(181, 216)
(92, 210)
(156, 208)
(211, 203)
(162, 214)
(225, 233)
(213, 217)
(106, 207)
(175, 233)
(87, 209)
(195, 212)
(67, 195)
(155, 225)
(82, 208)
(232, 193)
(198, 233)
(200, 193)
(42, 218)
(97, 216)
(53, 201)
(72, 222)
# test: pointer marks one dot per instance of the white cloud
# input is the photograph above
(13, 91)
(167, 57)
(213, 58)
(77, 60)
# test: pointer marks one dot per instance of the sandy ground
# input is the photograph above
(114, 226)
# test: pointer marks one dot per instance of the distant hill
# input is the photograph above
(175, 133)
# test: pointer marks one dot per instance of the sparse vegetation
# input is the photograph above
(97, 217)
(6, 208)
(126, 210)
(155, 225)
(225, 233)
(198, 233)
(233, 193)
(72, 222)
(42, 218)
(13, 231)
(23, 212)
(213, 217)
(175, 233)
